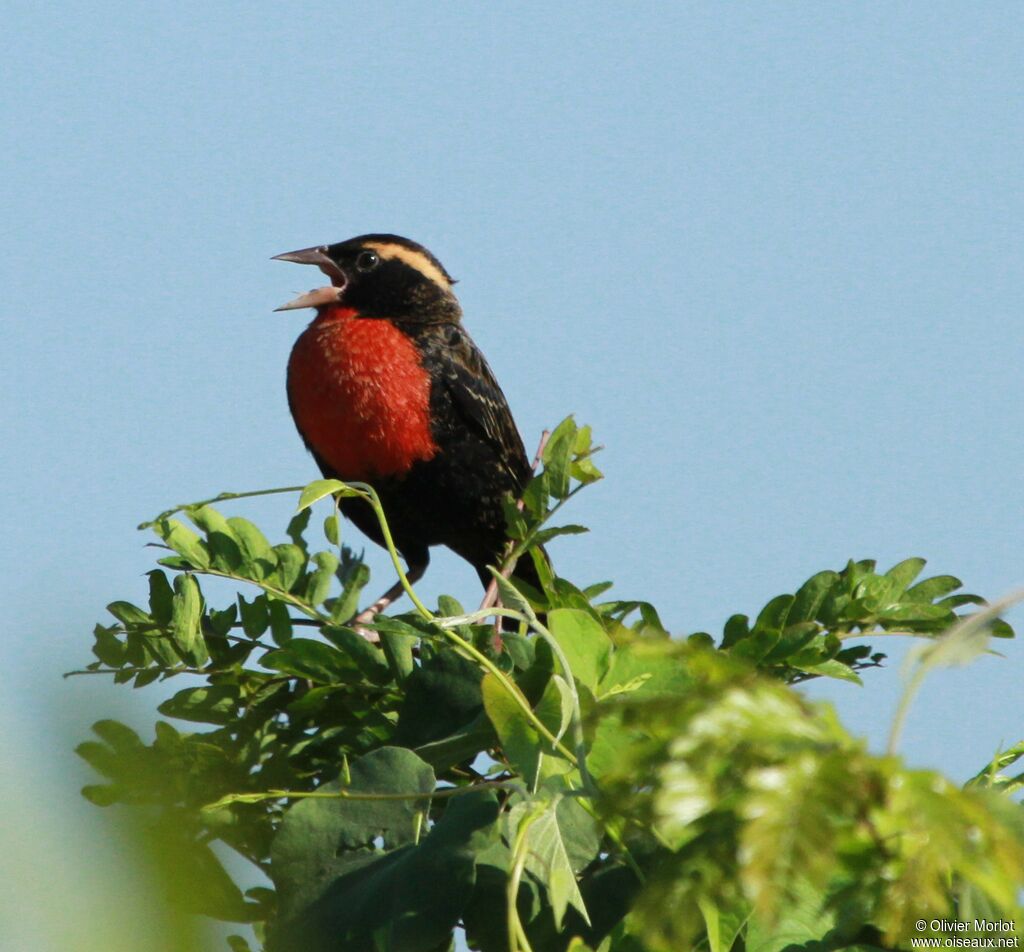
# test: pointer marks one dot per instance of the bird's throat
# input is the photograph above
(360, 396)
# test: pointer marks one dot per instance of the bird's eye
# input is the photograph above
(367, 261)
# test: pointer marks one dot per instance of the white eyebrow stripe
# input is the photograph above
(415, 259)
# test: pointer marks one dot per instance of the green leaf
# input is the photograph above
(351, 874)
(291, 563)
(547, 858)
(544, 536)
(184, 541)
(258, 557)
(346, 606)
(557, 457)
(367, 658)
(523, 746)
(809, 598)
(831, 668)
(320, 488)
(108, 647)
(331, 528)
(319, 581)
(775, 614)
(903, 573)
(804, 922)
(224, 544)
(216, 704)
(990, 775)
(280, 622)
(130, 615)
(296, 527)
(255, 615)
(460, 747)
(441, 696)
(932, 588)
(161, 598)
(186, 610)
(586, 645)
(305, 658)
(397, 648)
(511, 597)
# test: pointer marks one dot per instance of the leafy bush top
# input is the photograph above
(587, 781)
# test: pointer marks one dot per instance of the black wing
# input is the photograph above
(474, 392)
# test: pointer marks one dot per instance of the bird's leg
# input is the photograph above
(414, 572)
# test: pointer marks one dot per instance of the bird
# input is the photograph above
(386, 387)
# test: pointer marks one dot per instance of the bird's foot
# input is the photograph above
(359, 622)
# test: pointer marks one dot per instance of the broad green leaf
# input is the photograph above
(792, 638)
(775, 614)
(216, 704)
(351, 874)
(442, 695)
(522, 744)
(461, 747)
(723, 925)
(647, 668)
(258, 558)
(810, 597)
(346, 606)
(932, 588)
(319, 581)
(186, 610)
(757, 645)
(368, 658)
(397, 649)
(830, 668)
(280, 622)
(903, 573)
(224, 545)
(558, 456)
(291, 563)
(108, 647)
(161, 597)
(803, 923)
(544, 536)
(547, 858)
(317, 490)
(585, 643)
(255, 615)
(184, 541)
(990, 775)
(511, 597)
(305, 658)
(130, 615)
(296, 527)
(119, 736)
(736, 629)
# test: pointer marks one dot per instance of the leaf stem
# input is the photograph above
(516, 934)
(222, 497)
(442, 794)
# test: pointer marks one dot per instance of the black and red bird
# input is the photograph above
(387, 387)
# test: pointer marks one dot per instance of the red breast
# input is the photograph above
(360, 395)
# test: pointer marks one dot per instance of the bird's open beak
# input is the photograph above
(321, 296)
(318, 297)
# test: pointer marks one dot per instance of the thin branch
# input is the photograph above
(444, 793)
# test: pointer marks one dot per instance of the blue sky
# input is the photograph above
(771, 252)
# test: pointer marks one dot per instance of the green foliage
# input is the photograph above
(585, 782)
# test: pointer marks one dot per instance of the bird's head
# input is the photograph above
(379, 276)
